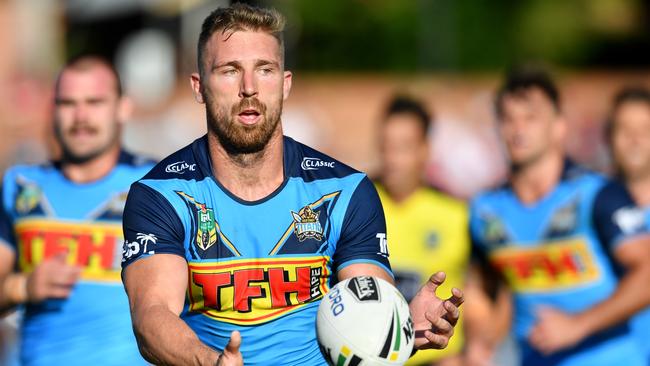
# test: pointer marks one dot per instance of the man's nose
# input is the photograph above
(248, 87)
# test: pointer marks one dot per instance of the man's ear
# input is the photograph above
(195, 82)
(286, 87)
(124, 109)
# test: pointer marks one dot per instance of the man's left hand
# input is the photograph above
(555, 331)
(434, 319)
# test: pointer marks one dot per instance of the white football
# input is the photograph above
(365, 321)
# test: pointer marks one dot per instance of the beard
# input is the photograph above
(237, 138)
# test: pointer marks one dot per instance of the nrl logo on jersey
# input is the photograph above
(206, 226)
(306, 224)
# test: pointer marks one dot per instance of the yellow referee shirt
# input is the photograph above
(428, 233)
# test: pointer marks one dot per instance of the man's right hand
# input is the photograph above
(52, 279)
(231, 355)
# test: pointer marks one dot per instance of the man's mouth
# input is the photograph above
(249, 116)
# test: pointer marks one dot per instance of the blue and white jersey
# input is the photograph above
(259, 267)
(557, 253)
(641, 322)
(43, 213)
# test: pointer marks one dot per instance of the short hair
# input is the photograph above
(635, 93)
(239, 17)
(402, 104)
(86, 62)
(522, 79)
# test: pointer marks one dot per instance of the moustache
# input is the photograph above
(249, 103)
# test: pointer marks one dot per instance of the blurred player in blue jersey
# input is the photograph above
(235, 239)
(60, 229)
(629, 136)
(568, 244)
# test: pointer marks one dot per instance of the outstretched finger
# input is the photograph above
(451, 312)
(435, 281)
(233, 344)
(457, 297)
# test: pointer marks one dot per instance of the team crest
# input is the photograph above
(206, 231)
(28, 198)
(306, 224)
(493, 231)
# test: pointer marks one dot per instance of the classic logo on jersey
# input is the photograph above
(206, 232)
(556, 265)
(306, 224)
(180, 167)
(364, 288)
(315, 163)
(93, 246)
(256, 291)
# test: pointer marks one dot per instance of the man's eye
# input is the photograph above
(229, 71)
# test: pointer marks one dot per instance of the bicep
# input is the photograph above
(634, 253)
(364, 269)
(158, 280)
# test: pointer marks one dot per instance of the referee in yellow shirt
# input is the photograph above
(427, 229)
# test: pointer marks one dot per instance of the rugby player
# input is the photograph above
(559, 236)
(247, 228)
(60, 229)
(428, 229)
(629, 137)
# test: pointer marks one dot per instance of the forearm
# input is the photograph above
(165, 339)
(13, 291)
(629, 297)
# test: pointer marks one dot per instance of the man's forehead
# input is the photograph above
(528, 98)
(242, 45)
(94, 79)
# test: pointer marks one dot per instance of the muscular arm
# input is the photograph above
(364, 269)
(13, 286)
(631, 294)
(156, 288)
(557, 330)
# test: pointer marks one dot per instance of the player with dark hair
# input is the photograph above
(252, 227)
(428, 229)
(628, 132)
(559, 236)
(60, 229)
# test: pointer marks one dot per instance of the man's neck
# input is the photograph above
(91, 170)
(403, 192)
(535, 180)
(639, 188)
(250, 177)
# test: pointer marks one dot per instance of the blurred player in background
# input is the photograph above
(629, 137)
(427, 228)
(259, 223)
(558, 234)
(61, 230)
